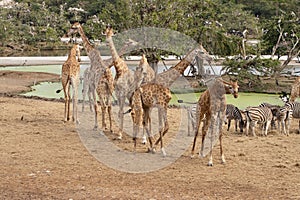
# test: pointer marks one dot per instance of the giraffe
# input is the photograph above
(144, 98)
(212, 106)
(145, 74)
(98, 66)
(124, 82)
(87, 76)
(70, 77)
(104, 90)
(295, 91)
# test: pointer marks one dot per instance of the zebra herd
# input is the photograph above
(265, 114)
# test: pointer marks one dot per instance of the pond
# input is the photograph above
(48, 89)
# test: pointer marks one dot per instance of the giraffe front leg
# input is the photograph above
(109, 117)
(103, 109)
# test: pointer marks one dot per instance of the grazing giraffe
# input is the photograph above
(70, 77)
(97, 69)
(212, 106)
(125, 83)
(144, 98)
(295, 91)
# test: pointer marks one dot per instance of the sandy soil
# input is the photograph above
(43, 158)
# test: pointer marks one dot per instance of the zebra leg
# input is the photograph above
(229, 122)
(267, 126)
(252, 127)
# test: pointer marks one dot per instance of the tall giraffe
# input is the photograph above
(70, 77)
(98, 66)
(212, 106)
(168, 77)
(144, 98)
(125, 83)
(88, 74)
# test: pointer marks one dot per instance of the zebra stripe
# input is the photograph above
(254, 115)
(232, 112)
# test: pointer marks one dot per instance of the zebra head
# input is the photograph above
(284, 97)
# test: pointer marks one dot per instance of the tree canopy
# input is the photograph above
(220, 26)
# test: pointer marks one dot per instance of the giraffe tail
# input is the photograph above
(58, 91)
(128, 111)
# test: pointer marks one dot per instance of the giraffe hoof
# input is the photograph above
(210, 164)
(119, 138)
(163, 152)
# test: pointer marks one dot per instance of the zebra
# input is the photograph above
(254, 115)
(273, 109)
(232, 112)
(283, 116)
(295, 107)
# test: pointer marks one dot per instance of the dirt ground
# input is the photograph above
(43, 158)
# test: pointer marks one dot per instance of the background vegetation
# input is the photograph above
(222, 26)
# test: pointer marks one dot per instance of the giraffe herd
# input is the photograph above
(143, 89)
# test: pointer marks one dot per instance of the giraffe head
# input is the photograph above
(232, 87)
(109, 31)
(74, 28)
(141, 71)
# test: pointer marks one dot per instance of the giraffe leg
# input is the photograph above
(198, 122)
(164, 131)
(66, 91)
(68, 103)
(146, 126)
(103, 110)
(93, 90)
(109, 117)
(75, 84)
(206, 124)
(121, 102)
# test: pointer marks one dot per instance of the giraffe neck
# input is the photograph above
(120, 65)
(86, 43)
(185, 62)
(114, 53)
(167, 78)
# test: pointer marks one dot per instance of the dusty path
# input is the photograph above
(43, 158)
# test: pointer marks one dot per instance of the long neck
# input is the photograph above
(113, 50)
(86, 43)
(167, 78)
(184, 63)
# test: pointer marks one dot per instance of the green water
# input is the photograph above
(244, 99)
(48, 90)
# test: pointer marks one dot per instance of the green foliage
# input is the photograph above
(206, 21)
(248, 70)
